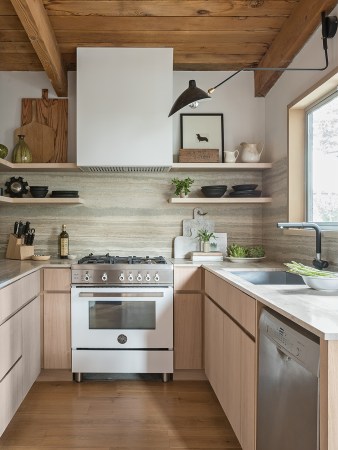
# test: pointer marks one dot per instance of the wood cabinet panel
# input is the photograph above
(31, 343)
(15, 295)
(188, 331)
(213, 347)
(56, 279)
(57, 346)
(187, 279)
(10, 343)
(10, 394)
(237, 304)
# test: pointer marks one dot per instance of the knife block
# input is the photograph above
(16, 250)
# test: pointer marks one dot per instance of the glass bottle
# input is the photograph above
(63, 243)
(21, 151)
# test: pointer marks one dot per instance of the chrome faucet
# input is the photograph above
(317, 262)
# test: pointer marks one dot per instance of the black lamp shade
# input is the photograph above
(190, 95)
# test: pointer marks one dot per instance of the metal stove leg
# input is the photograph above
(77, 376)
(165, 377)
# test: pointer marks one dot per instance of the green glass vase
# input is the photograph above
(21, 151)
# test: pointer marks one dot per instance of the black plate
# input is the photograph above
(244, 187)
(251, 193)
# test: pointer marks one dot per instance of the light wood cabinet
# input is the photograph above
(230, 354)
(19, 343)
(188, 314)
(56, 319)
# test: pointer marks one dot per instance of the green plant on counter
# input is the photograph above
(205, 235)
(182, 186)
(239, 251)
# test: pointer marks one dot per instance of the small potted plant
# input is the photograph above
(205, 237)
(182, 187)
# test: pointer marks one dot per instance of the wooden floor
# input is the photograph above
(107, 415)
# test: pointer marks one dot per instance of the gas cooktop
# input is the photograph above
(107, 259)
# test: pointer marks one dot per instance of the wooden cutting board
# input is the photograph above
(54, 114)
(40, 138)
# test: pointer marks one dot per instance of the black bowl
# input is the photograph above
(39, 194)
(244, 187)
(214, 191)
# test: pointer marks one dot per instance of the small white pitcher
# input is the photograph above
(231, 157)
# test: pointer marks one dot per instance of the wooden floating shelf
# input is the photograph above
(7, 166)
(44, 201)
(219, 166)
(220, 200)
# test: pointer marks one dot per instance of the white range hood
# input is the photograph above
(123, 99)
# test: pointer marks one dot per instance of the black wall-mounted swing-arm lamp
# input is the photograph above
(193, 94)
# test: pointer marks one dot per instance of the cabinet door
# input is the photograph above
(31, 343)
(213, 347)
(187, 278)
(57, 351)
(10, 394)
(56, 279)
(188, 331)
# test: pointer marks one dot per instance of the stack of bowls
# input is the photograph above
(214, 191)
(38, 191)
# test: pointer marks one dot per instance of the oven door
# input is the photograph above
(122, 317)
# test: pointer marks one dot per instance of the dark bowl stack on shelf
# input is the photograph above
(214, 191)
(38, 191)
(64, 194)
(245, 190)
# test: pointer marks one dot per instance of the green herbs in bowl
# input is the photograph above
(321, 280)
(239, 251)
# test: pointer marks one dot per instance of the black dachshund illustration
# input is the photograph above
(202, 138)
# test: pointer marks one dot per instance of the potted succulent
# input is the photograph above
(205, 237)
(182, 187)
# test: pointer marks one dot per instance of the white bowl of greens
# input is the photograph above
(321, 280)
(240, 253)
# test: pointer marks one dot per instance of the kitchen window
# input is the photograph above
(321, 161)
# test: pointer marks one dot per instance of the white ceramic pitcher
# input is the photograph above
(230, 157)
(250, 152)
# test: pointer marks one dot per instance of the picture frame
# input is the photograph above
(203, 131)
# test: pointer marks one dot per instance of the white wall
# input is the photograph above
(290, 86)
(243, 113)
(244, 116)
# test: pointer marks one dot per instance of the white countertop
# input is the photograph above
(316, 311)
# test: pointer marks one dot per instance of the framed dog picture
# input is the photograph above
(202, 131)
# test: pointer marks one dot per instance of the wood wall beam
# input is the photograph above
(35, 21)
(301, 24)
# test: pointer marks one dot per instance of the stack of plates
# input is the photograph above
(245, 190)
(64, 194)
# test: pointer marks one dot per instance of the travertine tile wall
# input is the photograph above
(279, 246)
(128, 213)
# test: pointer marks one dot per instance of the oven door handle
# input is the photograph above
(121, 294)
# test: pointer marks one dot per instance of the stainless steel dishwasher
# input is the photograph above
(288, 386)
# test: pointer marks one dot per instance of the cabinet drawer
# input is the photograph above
(187, 279)
(240, 306)
(10, 394)
(10, 343)
(56, 280)
(15, 295)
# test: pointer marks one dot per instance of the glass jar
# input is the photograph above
(21, 151)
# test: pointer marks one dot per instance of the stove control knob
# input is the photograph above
(130, 277)
(86, 277)
(104, 277)
(139, 277)
(121, 276)
(148, 278)
(157, 277)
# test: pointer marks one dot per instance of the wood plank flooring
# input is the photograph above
(116, 415)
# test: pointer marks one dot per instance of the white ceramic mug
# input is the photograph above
(231, 157)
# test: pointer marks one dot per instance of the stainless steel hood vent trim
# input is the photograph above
(124, 169)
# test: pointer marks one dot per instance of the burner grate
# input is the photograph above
(107, 259)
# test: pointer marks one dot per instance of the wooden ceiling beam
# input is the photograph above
(35, 21)
(296, 31)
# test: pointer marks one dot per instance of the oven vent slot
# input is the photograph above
(124, 169)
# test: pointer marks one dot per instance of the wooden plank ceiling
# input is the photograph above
(217, 35)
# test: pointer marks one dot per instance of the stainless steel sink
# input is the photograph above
(269, 277)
